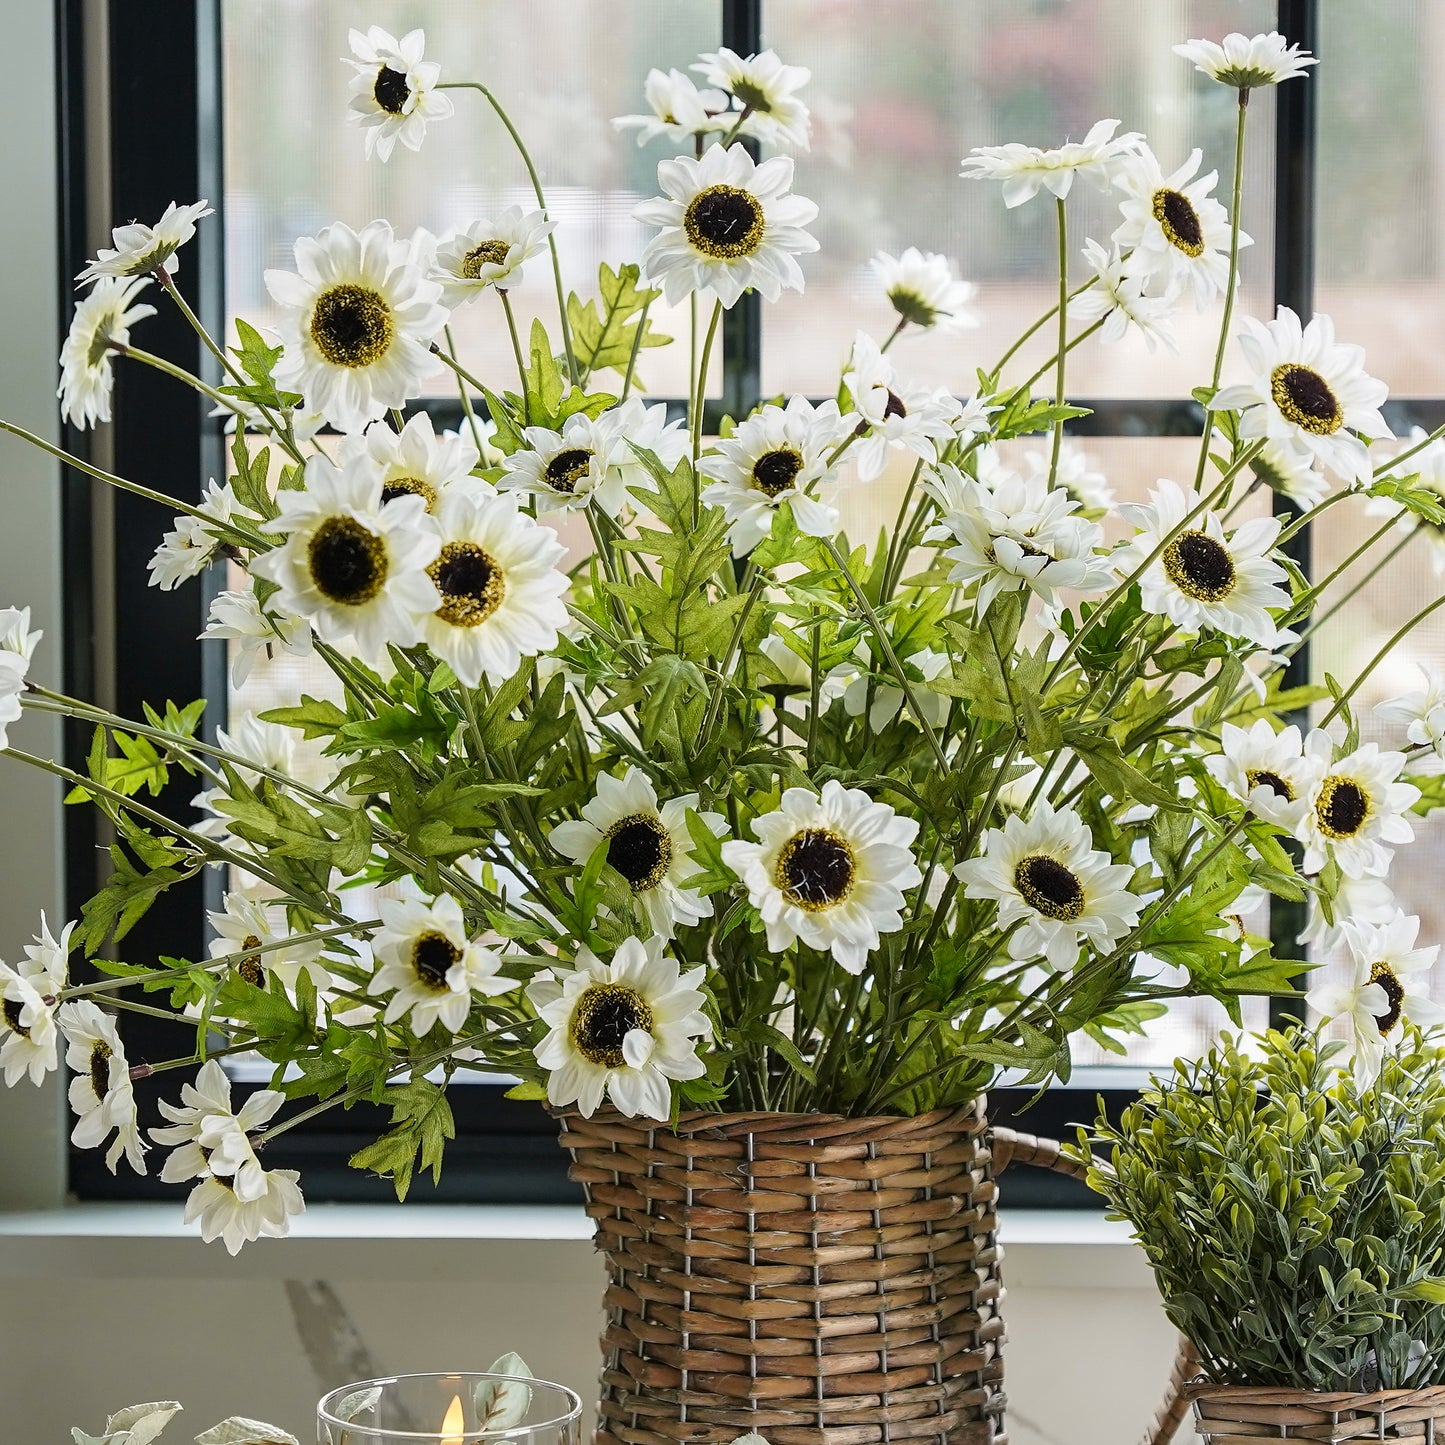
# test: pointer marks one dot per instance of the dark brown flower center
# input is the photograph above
(1341, 808)
(724, 222)
(1384, 975)
(605, 1014)
(250, 968)
(894, 406)
(775, 471)
(568, 468)
(1305, 399)
(391, 92)
(815, 869)
(1199, 567)
(11, 1011)
(486, 253)
(1263, 778)
(1048, 886)
(432, 955)
(100, 1052)
(640, 848)
(470, 582)
(347, 562)
(396, 487)
(1179, 221)
(351, 325)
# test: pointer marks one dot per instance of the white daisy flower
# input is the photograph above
(100, 1092)
(1358, 809)
(680, 111)
(1013, 533)
(140, 249)
(353, 565)
(1076, 474)
(1045, 873)
(765, 88)
(647, 842)
(238, 617)
(247, 923)
(435, 968)
(357, 323)
(1422, 712)
(1291, 473)
(1117, 298)
(1179, 235)
(1266, 770)
(414, 461)
(1023, 169)
(489, 253)
(1308, 392)
(1365, 900)
(639, 426)
(570, 469)
(1205, 577)
(223, 1214)
(775, 458)
(1246, 62)
(28, 1035)
(728, 225)
(922, 289)
(100, 326)
(194, 542)
(17, 647)
(394, 91)
(829, 869)
(921, 668)
(1390, 982)
(622, 1030)
(500, 586)
(900, 415)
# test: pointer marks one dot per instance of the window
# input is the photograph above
(901, 89)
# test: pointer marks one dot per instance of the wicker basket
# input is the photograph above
(1241, 1414)
(825, 1281)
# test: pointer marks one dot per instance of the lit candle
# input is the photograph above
(452, 1425)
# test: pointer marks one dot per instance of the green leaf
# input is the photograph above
(313, 717)
(125, 899)
(422, 1123)
(527, 1090)
(604, 332)
(544, 380)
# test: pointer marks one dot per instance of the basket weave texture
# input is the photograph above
(1242, 1414)
(826, 1281)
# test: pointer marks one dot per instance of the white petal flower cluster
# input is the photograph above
(680, 112)
(922, 289)
(99, 330)
(1246, 62)
(489, 253)
(29, 996)
(100, 1089)
(1025, 169)
(17, 647)
(766, 90)
(1117, 297)
(901, 415)
(1422, 712)
(195, 542)
(140, 249)
(394, 92)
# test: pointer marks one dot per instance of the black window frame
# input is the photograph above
(164, 142)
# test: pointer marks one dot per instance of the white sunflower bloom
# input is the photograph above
(1266, 770)
(17, 647)
(100, 1092)
(237, 1200)
(237, 617)
(1205, 577)
(830, 870)
(1013, 533)
(353, 565)
(647, 842)
(28, 1035)
(414, 461)
(922, 289)
(1245, 62)
(500, 585)
(394, 92)
(1117, 298)
(435, 968)
(1045, 873)
(765, 88)
(921, 668)
(195, 542)
(646, 428)
(1024, 169)
(489, 253)
(571, 469)
(1291, 472)
(1422, 712)
(247, 923)
(1178, 234)
(1365, 900)
(358, 319)
(773, 459)
(140, 250)
(622, 1030)
(1390, 982)
(900, 415)
(728, 225)
(100, 327)
(1307, 391)
(1358, 810)
(680, 111)
(1076, 475)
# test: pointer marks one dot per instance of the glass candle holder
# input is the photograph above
(456, 1409)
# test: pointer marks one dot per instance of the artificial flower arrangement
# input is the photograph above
(733, 812)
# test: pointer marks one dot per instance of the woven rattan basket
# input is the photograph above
(825, 1281)
(1242, 1415)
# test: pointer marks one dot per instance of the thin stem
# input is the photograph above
(1409, 452)
(754, 581)
(144, 1071)
(702, 380)
(1083, 336)
(455, 365)
(1320, 619)
(465, 398)
(637, 336)
(1379, 657)
(894, 334)
(180, 373)
(517, 352)
(738, 124)
(1063, 337)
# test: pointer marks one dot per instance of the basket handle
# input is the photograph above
(1011, 1147)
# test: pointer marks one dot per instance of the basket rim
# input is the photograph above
(1318, 1399)
(720, 1124)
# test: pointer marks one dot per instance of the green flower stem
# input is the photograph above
(1042, 322)
(637, 336)
(815, 687)
(130, 1006)
(144, 1071)
(866, 607)
(899, 530)
(1303, 521)
(894, 334)
(541, 202)
(521, 361)
(1061, 213)
(737, 126)
(1053, 361)
(466, 399)
(701, 392)
(1318, 621)
(1379, 657)
(753, 582)
(448, 360)
(1409, 452)
(1303, 602)
(180, 373)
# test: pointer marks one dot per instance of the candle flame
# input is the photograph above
(452, 1425)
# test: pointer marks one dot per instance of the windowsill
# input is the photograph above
(1060, 1249)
